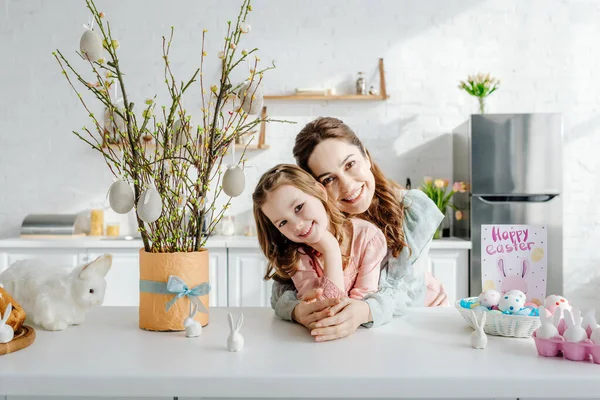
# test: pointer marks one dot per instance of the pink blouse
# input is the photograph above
(361, 275)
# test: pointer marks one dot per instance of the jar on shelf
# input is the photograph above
(361, 84)
(97, 221)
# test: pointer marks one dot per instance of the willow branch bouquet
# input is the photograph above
(170, 163)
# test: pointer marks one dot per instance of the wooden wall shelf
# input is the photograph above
(358, 97)
(382, 96)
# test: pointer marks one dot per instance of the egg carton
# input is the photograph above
(521, 326)
(559, 347)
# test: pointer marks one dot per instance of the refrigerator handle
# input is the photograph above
(516, 198)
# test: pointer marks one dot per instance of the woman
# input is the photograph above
(331, 152)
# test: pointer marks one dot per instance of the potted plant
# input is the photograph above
(169, 168)
(437, 190)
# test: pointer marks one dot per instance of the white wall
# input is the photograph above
(545, 52)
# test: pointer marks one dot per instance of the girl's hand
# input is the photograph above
(327, 244)
(345, 318)
(313, 308)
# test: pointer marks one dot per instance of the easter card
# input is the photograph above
(515, 257)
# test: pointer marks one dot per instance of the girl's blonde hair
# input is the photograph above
(282, 254)
(386, 210)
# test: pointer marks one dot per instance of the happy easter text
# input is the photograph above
(506, 241)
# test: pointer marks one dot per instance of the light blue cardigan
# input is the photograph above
(399, 285)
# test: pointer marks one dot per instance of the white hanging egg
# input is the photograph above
(90, 45)
(149, 206)
(234, 181)
(121, 197)
(109, 125)
(250, 105)
(180, 132)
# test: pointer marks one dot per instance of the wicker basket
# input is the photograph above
(502, 324)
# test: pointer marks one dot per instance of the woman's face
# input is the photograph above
(346, 174)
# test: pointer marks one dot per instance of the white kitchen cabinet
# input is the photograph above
(451, 268)
(217, 277)
(52, 257)
(247, 288)
(122, 281)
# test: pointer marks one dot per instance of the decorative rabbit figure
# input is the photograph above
(57, 297)
(192, 327)
(549, 327)
(6, 331)
(589, 320)
(574, 332)
(478, 336)
(235, 341)
(513, 281)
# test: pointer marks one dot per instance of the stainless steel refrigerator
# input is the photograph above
(512, 164)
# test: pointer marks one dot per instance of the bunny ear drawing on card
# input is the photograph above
(515, 280)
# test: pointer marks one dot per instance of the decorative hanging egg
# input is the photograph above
(90, 45)
(121, 197)
(149, 206)
(109, 125)
(180, 132)
(234, 181)
(249, 104)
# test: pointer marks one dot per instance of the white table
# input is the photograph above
(423, 355)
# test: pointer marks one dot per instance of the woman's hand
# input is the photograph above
(345, 318)
(313, 308)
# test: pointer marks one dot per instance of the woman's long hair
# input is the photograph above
(386, 210)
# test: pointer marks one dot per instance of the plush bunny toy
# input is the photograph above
(57, 297)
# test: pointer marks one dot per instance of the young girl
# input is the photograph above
(308, 240)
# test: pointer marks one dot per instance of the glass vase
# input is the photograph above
(481, 101)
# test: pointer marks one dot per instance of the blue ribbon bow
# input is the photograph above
(177, 286)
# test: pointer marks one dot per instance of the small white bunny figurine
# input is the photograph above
(549, 327)
(595, 336)
(235, 341)
(589, 319)
(192, 327)
(574, 332)
(478, 336)
(6, 331)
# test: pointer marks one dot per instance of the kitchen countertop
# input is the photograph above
(213, 242)
(425, 354)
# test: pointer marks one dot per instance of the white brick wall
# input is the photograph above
(545, 52)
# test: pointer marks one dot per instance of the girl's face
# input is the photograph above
(345, 173)
(299, 216)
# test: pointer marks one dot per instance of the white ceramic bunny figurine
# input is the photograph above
(6, 331)
(478, 336)
(192, 327)
(55, 297)
(589, 319)
(235, 341)
(549, 327)
(574, 332)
